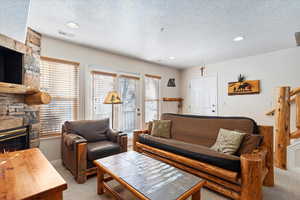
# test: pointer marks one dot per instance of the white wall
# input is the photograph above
(96, 59)
(273, 69)
(14, 18)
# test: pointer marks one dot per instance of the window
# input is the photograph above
(61, 80)
(152, 84)
(102, 83)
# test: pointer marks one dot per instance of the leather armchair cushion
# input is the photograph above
(91, 130)
(100, 149)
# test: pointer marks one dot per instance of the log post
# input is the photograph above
(38, 98)
(268, 141)
(251, 172)
(297, 100)
(282, 127)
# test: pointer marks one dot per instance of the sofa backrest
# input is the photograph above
(203, 130)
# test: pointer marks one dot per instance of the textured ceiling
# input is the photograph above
(192, 31)
(13, 18)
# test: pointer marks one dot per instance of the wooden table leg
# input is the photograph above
(197, 195)
(100, 181)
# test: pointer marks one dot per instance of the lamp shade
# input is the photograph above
(112, 98)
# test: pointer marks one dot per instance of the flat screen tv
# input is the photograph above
(11, 66)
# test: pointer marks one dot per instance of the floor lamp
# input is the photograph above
(112, 98)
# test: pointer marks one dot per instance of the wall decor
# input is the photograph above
(244, 87)
(171, 82)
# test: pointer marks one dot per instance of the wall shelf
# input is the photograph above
(172, 99)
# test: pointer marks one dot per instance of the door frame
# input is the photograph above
(217, 91)
(88, 88)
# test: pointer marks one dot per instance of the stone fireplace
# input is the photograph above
(14, 112)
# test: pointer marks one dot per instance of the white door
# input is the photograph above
(203, 94)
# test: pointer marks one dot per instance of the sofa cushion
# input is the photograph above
(249, 143)
(91, 130)
(196, 152)
(228, 141)
(161, 128)
(100, 149)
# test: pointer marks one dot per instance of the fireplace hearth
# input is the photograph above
(14, 139)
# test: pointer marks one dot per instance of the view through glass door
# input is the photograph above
(129, 110)
(127, 114)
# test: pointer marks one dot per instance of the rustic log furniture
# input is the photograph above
(87, 140)
(27, 174)
(282, 126)
(245, 182)
(146, 178)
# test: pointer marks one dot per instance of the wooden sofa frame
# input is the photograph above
(256, 168)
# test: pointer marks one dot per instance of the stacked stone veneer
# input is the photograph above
(13, 111)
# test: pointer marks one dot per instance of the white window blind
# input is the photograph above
(152, 84)
(102, 83)
(61, 80)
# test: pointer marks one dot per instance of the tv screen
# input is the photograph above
(11, 66)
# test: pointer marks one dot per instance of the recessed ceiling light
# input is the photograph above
(238, 38)
(171, 57)
(72, 25)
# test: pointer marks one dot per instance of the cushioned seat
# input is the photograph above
(193, 151)
(100, 149)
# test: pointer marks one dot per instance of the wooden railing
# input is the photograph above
(282, 112)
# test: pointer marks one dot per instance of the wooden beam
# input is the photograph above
(217, 171)
(272, 112)
(232, 186)
(295, 134)
(282, 127)
(38, 98)
(295, 91)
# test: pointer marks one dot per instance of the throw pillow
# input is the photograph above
(161, 128)
(150, 123)
(228, 141)
(249, 143)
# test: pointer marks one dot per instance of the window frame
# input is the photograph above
(152, 100)
(77, 104)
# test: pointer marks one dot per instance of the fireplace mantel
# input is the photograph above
(14, 45)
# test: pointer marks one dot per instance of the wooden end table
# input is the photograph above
(28, 175)
(146, 178)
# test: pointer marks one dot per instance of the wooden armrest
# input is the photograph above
(136, 134)
(252, 176)
(123, 140)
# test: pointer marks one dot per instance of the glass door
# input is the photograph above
(129, 110)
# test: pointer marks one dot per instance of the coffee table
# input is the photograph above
(146, 177)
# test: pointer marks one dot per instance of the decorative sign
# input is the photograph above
(244, 87)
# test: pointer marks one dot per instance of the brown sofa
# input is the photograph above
(87, 140)
(238, 176)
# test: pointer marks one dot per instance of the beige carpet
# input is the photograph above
(287, 188)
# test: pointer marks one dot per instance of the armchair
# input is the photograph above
(87, 140)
